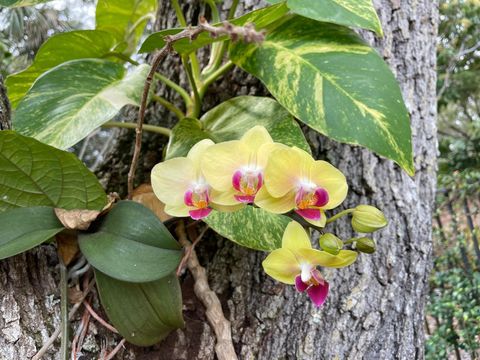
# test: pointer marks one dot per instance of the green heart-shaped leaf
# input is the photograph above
(35, 174)
(125, 19)
(231, 119)
(327, 77)
(260, 18)
(80, 44)
(25, 228)
(356, 13)
(143, 313)
(250, 227)
(131, 244)
(70, 101)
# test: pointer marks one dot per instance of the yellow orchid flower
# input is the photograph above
(181, 186)
(235, 168)
(296, 181)
(295, 263)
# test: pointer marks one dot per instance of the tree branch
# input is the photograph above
(221, 326)
(247, 33)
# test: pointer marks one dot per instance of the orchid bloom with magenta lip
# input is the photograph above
(236, 168)
(181, 186)
(295, 263)
(296, 181)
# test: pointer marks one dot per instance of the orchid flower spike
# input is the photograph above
(295, 263)
(296, 181)
(236, 168)
(181, 186)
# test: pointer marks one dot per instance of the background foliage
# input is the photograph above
(453, 321)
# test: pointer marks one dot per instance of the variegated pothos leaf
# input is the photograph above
(251, 227)
(327, 77)
(80, 44)
(233, 118)
(356, 13)
(68, 102)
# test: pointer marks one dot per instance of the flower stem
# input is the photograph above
(339, 215)
(168, 105)
(151, 128)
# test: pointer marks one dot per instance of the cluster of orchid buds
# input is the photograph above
(257, 171)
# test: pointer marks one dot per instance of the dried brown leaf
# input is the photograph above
(67, 246)
(77, 219)
(145, 196)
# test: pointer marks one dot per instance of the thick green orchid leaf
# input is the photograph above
(25, 228)
(80, 44)
(35, 174)
(71, 100)
(131, 244)
(327, 77)
(143, 313)
(233, 118)
(20, 3)
(356, 13)
(251, 227)
(125, 19)
(260, 18)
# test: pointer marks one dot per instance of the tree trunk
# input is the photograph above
(376, 307)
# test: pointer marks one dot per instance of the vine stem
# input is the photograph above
(248, 33)
(221, 326)
(151, 128)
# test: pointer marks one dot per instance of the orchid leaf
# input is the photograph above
(131, 244)
(143, 313)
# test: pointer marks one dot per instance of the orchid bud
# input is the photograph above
(330, 243)
(366, 245)
(367, 219)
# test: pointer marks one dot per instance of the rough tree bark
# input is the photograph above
(376, 307)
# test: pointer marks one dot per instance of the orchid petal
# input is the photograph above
(309, 214)
(275, 205)
(318, 223)
(221, 161)
(226, 198)
(332, 180)
(318, 294)
(199, 214)
(323, 258)
(300, 285)
(246, 199)
(255, 138)
(198, 150)
(322, 197)
(282, 265)
(181, 210)
(264, 152)
(295, 237)
(172, 178)
(283, 171)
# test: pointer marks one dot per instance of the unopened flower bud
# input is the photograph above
(367, 219)
(366, 245)
(330, 243)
